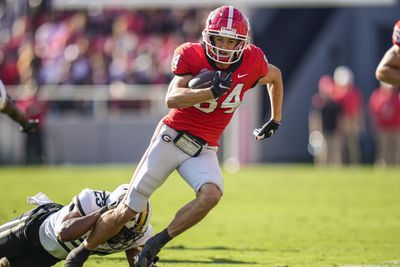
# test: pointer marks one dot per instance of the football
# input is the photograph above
(202, 80)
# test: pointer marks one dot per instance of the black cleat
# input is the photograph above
(148, 255)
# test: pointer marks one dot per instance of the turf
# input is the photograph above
(269, 216)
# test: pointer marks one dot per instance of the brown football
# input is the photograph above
(202, 80)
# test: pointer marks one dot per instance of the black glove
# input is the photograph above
(154, 263)
(30, 126)
(221, 84)
(267, 130)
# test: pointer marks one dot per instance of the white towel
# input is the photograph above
(39, 199)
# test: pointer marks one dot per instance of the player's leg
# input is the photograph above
(156, 165)
(32, 259)
(13, 241)
(204, 175)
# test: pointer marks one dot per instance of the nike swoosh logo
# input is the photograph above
(223, 86)
(242, 75)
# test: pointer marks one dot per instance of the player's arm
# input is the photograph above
(274, 83)
(180, 96)
(75, 225)
(388, 70)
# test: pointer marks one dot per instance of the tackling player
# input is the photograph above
(388, 70)
(186, 139)
(9, 108)
(45, 235)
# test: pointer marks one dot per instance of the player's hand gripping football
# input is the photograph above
(221, 83)
(267, 130)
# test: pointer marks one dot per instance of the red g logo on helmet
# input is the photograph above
(226, 21)
(396, 34)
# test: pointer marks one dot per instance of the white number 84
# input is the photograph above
(231, 102)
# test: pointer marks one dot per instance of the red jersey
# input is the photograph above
(385, 108)
(208, 120)
(349, 98)
(396, 34)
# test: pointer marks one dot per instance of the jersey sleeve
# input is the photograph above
(88, 200)
(264, 66)
(396, 34)
(182, 60)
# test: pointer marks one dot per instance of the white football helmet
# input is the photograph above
(226, 21)
(134, 229)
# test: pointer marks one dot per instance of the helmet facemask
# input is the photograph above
(132, 230)
(221, 55)
(124, 239)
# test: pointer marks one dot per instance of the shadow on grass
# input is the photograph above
(205, 262)
(211, 261)
(213, 248)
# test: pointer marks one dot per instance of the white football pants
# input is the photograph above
(161, 158)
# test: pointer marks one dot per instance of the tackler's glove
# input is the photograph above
(267, 130)
(221, 83)
(30, 126)
(154, 263)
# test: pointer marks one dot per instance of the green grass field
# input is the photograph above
(269, 215)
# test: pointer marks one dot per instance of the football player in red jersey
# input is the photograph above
(186, 139)
(388, 70)
(9, 108)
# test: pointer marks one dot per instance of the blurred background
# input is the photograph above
(96, 74)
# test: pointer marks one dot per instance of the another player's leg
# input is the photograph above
(13, 241)
(189, 215)
(8, 107)
(205, 177)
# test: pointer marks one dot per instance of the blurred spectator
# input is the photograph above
(352, 122)
(96, 46)
(325, 138)
(384, 104)
(34, 109)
